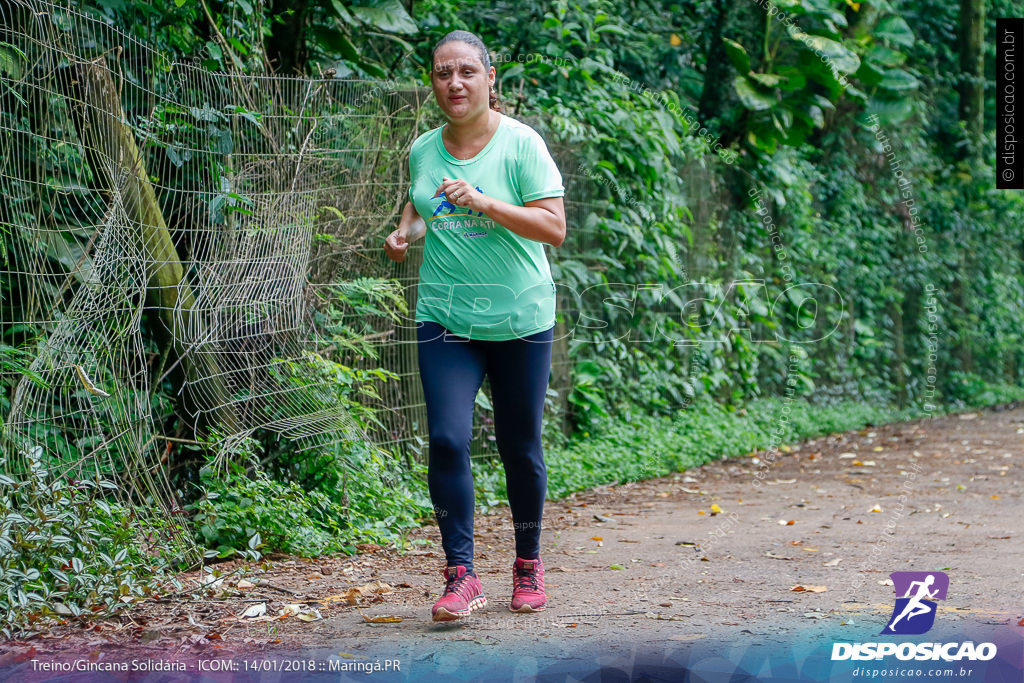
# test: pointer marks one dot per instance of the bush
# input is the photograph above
(241, 514)
(245, 511)
(66, 550)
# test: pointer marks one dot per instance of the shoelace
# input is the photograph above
(526, 579)
(455, 584)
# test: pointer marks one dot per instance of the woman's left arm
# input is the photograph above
(542, 220)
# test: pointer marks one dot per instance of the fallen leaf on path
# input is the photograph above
(847, 455)
(781, 481)
(254, 611)
(626, 540)
(833, 563)
(1020, 623)
(376, 587)
(776, 557)
(210, 581)
(715, 509)
(809, 589)
(245, 585)
(885, 582)
(352, 595)
(382, 619)
(701, 512)
(309, 614)
(596, 538)
(602, 518)
(877, 508)
(331, 599)
(192, 620)
(688, 544)
(783, 522)
(811, 550)
(616, 566)
(656, 615)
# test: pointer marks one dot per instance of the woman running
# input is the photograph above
(487, 195)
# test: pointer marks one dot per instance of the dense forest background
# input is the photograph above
(791, 206)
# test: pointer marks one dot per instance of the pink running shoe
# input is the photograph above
(463, 593)
(528, 586)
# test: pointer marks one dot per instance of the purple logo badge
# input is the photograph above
(914, 612)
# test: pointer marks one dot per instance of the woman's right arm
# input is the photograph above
(410, 228)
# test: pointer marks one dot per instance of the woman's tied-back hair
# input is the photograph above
(472, 40)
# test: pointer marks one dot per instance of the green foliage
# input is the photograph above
(812, 55)
(65, 550)
(647, 446)
(357, 497)
(965, 390)
(244, 515)
(650, 446)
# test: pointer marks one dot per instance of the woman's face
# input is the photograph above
(461, 85)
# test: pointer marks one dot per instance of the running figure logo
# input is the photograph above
(450, 208)
(914, 613)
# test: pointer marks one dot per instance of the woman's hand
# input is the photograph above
(396, 245)
(459, 192)
(541, 220)
(410, 228)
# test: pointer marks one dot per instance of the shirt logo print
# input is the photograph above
(450, 208)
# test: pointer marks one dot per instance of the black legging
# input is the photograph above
(452, 369)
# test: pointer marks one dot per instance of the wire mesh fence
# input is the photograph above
(165, 226)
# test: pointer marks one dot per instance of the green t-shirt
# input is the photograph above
(479, 279)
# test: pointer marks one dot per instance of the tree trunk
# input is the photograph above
(737, 20)
(716, 75)
(286, 45)
(116, 162)
(972, 74)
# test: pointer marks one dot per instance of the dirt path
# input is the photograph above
(706, 557)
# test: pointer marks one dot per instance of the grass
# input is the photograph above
(645, 447)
